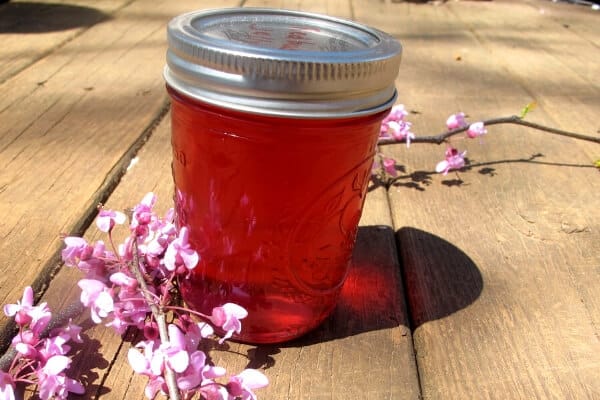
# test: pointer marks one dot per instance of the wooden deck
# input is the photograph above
(482, 285)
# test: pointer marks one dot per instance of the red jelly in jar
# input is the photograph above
(275, 118)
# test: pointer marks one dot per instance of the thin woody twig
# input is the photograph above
(159, 317)
(513, 119)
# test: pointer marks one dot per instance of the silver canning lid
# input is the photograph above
(280, 62)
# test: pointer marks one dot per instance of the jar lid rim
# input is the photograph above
(281, 55)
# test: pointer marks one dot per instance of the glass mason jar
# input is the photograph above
(275, 119)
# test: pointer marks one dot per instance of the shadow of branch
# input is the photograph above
(421, 179)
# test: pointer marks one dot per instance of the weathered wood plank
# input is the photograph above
(69, 119)
(572, 106)
(31, 30)
(499, 261)
(337, 8)
(69, 125)
(501, 265)
(579, 19)
(555, 65)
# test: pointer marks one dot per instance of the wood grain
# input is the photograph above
(31, 30)
(499, 260)
(555, 65)
(337, 8)
(73, 120)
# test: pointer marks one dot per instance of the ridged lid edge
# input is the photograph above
(319, 82)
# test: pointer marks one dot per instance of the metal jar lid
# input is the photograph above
(284, 63)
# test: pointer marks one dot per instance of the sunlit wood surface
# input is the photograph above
(478, 285)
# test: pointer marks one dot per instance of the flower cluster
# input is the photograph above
(455, 159)
(193, 373)
(394, 126)
(133, 284)
(40, 357)
(157, 253)
(458, 121)
(387, 166)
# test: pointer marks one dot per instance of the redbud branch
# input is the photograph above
(513, 119)
(159, 317)
(197, 313)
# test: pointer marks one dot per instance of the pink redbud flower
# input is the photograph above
(96, 296)
(394, 125)
(152, 363)
(476, 129)
(130, 311)
(228, 318)
(456, 121)
(149, 364)
(54, 346)
(139, 362)
(179, 253)
(151, 331)
(107, 219)
(389, 166)
(155, 384)
(52, 383)
(22, 309)
(241, 385)
(401, 131)
(79, 253)
(93, 262)
(40, 318)
(25, 312)
(157, 238)
(119, 324)
(75, 248)
(195, 332)
(397, 113)
(70, 332)
(142, 213)
(175, 353)
(7, 386)
(454, 160)
(25, 349)
(192, 376)
(122, 279)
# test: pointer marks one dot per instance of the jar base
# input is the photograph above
(261, 338)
